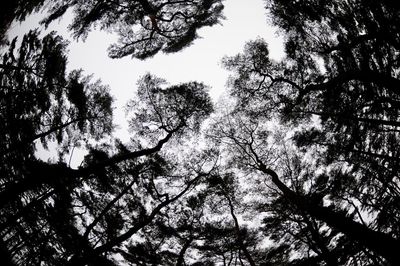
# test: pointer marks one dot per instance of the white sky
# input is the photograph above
(245, 20)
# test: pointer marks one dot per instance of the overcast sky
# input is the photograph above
(245, 20)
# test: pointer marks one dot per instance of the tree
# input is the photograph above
(248, 145)
(46, 205)
(344, 104)
(174, 111)
(144, 27)
(16, 10)
(298, 165)
(41, 102)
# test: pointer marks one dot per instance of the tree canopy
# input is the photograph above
(297, 165)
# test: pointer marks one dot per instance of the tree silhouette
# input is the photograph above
(45, 205)
(297, 165)
(42, 104)
(337, 93)
(144, 27)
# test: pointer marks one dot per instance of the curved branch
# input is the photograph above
(147, 220)
(382, 243)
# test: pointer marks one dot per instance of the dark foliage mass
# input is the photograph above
(298, 165)
(145, 27)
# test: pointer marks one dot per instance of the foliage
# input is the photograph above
(297, 166)
(145, 27)
(335, 92)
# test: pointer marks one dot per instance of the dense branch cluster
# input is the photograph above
(298, 165)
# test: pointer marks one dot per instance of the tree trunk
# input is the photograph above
(381, 243)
